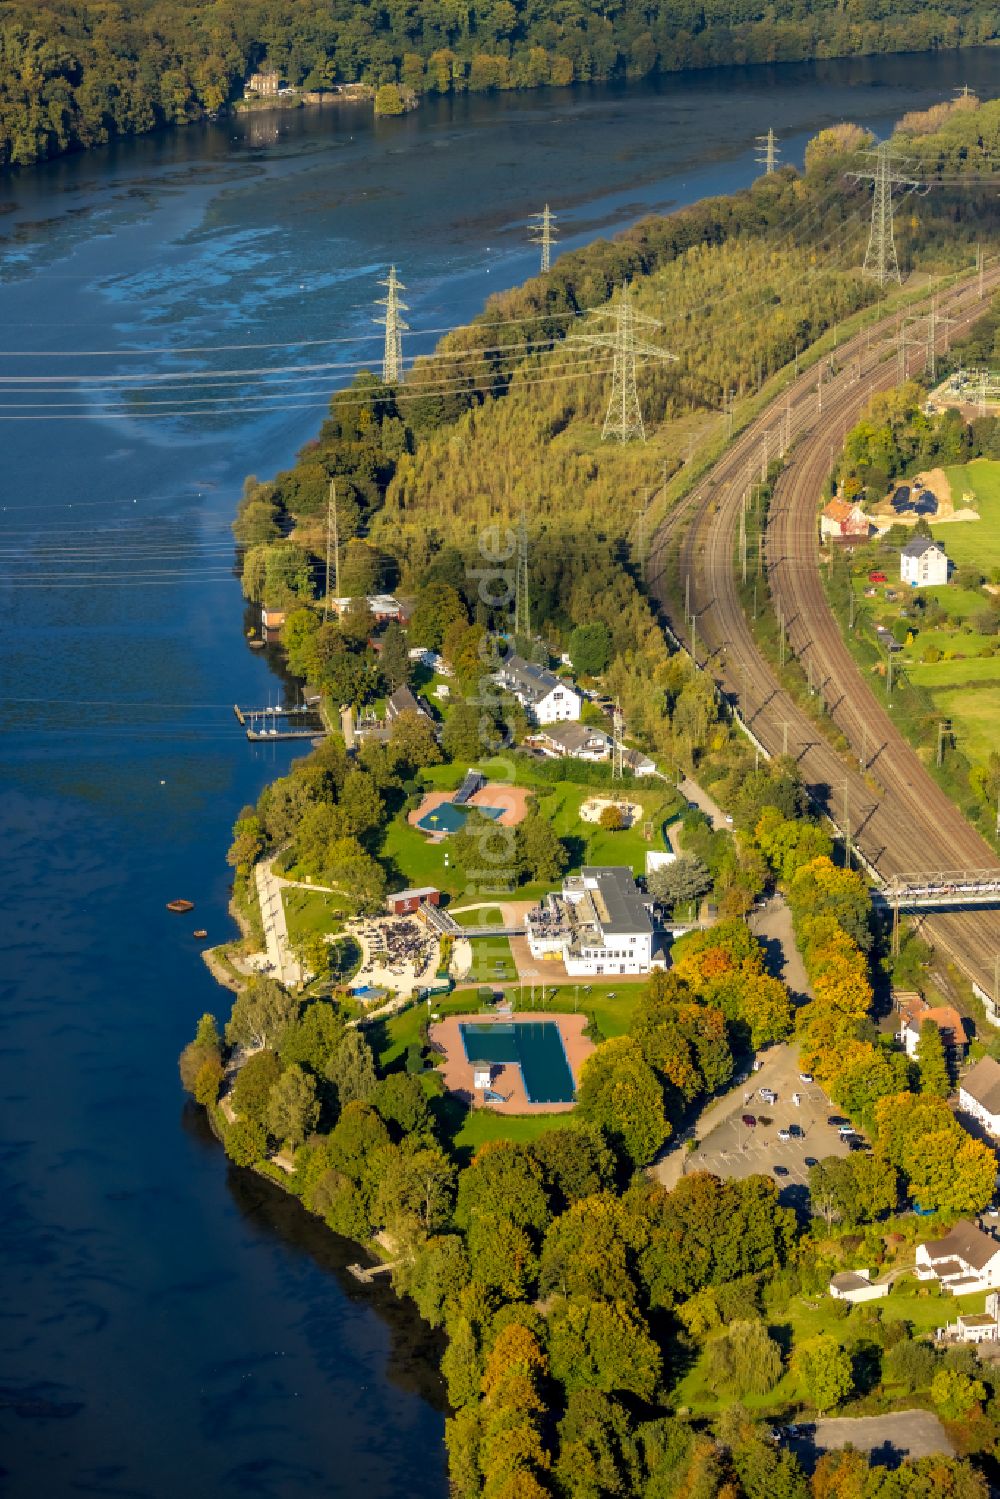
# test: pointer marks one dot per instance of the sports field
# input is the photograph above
(974, 541)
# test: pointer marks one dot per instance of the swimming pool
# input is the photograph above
(536, 1047)
(447, 818)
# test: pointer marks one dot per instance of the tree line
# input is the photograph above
(77, 74)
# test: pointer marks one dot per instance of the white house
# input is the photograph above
(599, 924)
(979, 1094)
(923, 563)
(975, 1327)
(914, 1011)
(843, 521)
(965, 1260)
(857, 1285)
(545, 697)
(577, 740)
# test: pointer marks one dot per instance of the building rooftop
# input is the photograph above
(850, 1280)
(982, 1083)
(965, 1242)
(619, 905)
(918, 545)
(840, 510)
(575, 736)
(536, 682)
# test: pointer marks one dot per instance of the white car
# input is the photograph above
(768, 1095)
(847, 1131)
(797, 1100)
(784, 1134)
(805, 1077)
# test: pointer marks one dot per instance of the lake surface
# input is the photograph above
(171, 1325)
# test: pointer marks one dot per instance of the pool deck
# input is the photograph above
(507, 1081)
(512, 801)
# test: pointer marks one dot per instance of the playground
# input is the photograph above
(591, 809)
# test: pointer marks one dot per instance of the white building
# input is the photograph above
(599, 924)
(979, 1094)
(965, 1260)
(545, 697)
(857, 1285)
(923, 563)
(576, 740)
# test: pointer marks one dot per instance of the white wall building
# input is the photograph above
(545, 697)
(857, 1285)
(923, 563)
(599, 924)
(965, 1260)
(979, 1094)
(577, 740)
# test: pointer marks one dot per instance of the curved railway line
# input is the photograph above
(909, 823)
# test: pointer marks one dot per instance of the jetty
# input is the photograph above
(303, 722)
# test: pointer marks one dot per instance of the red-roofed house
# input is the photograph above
(914, 1010)
(844, 521)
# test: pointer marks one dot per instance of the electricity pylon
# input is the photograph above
(880, 258)
(768, 151)
(392, 359)
(522, 604)
(542, 231)
(624, 418)
(935, 320)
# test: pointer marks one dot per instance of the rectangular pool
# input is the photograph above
(536, 1047)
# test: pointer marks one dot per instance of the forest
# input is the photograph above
(78, 73)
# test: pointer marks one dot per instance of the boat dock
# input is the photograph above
(280, 723)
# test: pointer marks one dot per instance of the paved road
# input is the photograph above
(898, 816)
(284, 965)
(773, 925)
(694, 793)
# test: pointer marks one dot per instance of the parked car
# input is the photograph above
(780, 1170)
(805, 1077)
(877, 578)
(836, 1119)
(784, 1134)
(847, 1131)
(797, 1100)
(769, 1095)
(810, 1160)
(750, 1120)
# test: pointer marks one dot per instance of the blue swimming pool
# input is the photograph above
(536, 1047)
(447, 818)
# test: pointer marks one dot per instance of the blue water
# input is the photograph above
(534, 1046)
(171, 1325)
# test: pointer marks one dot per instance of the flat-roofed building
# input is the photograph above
(598, 924)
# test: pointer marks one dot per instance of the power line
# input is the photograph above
(880, 258)
(624, 415)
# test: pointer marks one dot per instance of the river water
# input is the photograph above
(170, 1324)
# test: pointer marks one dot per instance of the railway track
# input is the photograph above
(909, 823)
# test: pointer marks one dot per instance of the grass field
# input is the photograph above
(483, 916)
(492, 962)
(943, 674)
(975, 714)
(974, 541)
(482, 1125)
(311, 912)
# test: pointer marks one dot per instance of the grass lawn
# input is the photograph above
(309, 912)
(975, 713)
(805, 1318)
(492, 962)
(610, 1007)
(482, 1125)
(960, 603)
(974, 541)
(955, 673)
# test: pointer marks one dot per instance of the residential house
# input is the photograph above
(914, 1011)
(975, 1327)
(965, 1260)
(639, 764)
(599, 924)
(577, 740)
(383, 606)
(403, 700)
(843, 521)
(923, 563)
(545, 697)
(857, 1285)
(979, 1094)
(263, 85)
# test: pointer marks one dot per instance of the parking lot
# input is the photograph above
(728, 1147)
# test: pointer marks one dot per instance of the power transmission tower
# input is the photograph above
(935, 320)
(332, 541)
(880, 257)
(392, 359)
(768, 151)
(617, 747)
(624, 418)
(542, 231)
(522, 604)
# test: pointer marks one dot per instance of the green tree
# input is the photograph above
(436, 1276)
(602, 1345)
(416, 1191)
(252, 1090)
(246, 1142)
(745, 1359)
(932, 1061)
(619, 1093)
(575, 1164)
(402, 1102)
(590, 648)
(313, 1038)
(351, 1069)
(438, 605)
(598, 1452)
(541, 853)
(261, 1013)
(293, 1108)
(685, 879)
(394, 660)
(825, 1370)
(587, 1252)
(413, 743)
(955, 1393)
(208, 1082)
(388, 100)
(203, 1051)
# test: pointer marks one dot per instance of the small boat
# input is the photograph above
(257, 645)
(201, 932)
(180, 906)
